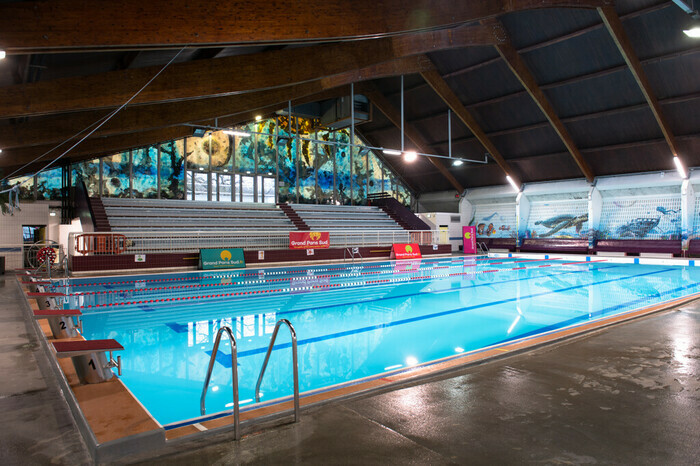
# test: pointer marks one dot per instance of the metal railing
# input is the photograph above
(353, 253)
(192, 241)
(295, 365)
(234, 378)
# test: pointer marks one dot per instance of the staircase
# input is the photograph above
(293, 216)
(99, 216)
(397, 211)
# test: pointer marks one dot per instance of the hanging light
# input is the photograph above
(410, 156)
(391, 152)
(693, 32)
(3, 54)
(232, 132)
(457, 163)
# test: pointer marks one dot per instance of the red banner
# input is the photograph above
(405, 251)
(308, 240)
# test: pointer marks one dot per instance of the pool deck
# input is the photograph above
(628, 394)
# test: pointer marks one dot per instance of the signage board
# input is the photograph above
(230, 258)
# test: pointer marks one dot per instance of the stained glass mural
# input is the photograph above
(197, 153)
(220, 146)
(265, 146)
(172, 169)
(145, 170)
(325, 169)
(115, 175)
(26, 187)
(342, 165)
(374, 173)
(89, 170)
(359, 176)
(245, 151)
(307, 172)
(48, 184)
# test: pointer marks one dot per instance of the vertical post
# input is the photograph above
(352, 137)
(402, 110)
(449, 133)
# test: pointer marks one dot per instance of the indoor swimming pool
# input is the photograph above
(353, 321)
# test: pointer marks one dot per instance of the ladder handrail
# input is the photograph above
(234, 377)
(294, 362)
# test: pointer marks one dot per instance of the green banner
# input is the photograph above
(231, 258)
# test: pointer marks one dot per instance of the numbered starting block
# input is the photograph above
(90, 359)
(61, 321)
(33, 286)
(43, 299)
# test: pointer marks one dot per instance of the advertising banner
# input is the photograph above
(402, 251)
(469, 238)
(231, 258)
(309, 240)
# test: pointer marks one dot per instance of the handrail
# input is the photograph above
(234, 377)
(294, 362)
(351, 250)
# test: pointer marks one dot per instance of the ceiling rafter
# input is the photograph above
(540, 45)
(58, 128)
(60, 25)
(616, 30)
(522, 72)
(389, 110)
(226, 76)
(443, 90)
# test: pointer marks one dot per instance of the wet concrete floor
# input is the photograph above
(629, 394)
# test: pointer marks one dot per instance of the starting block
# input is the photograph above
(44, 299)
(61, 321)
(89, 358)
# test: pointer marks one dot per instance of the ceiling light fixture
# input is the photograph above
(693, 32)
(679, 167)
(391, 152)
(232, 132)
(258, 117)
(410, 156)
(3, 54)
(513, 183)
(457, 163)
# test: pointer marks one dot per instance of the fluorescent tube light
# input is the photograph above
(232, 132)
(694, 32)
(679, 166)
(2, 54)
(391, 152)
(512, 183)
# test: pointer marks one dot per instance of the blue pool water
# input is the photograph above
(352, 321)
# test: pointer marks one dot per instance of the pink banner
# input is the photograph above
(308, 240)
(469, 238)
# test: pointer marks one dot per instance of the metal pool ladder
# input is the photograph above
(234, 373)
(294, 362)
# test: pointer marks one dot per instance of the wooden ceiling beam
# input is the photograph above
(383, 104)
(614, 26)
(61, 25)
(54, 129)
(522, 72)
(443, 90)
(226, 76)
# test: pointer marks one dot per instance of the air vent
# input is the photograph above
(455, 219)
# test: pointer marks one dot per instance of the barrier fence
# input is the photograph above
(87, 244)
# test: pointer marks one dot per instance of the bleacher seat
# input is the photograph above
(328, 217)
(134, 215)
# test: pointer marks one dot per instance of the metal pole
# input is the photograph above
(402, 114)
(449, 133)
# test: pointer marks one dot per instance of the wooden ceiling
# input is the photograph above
(550, 89)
